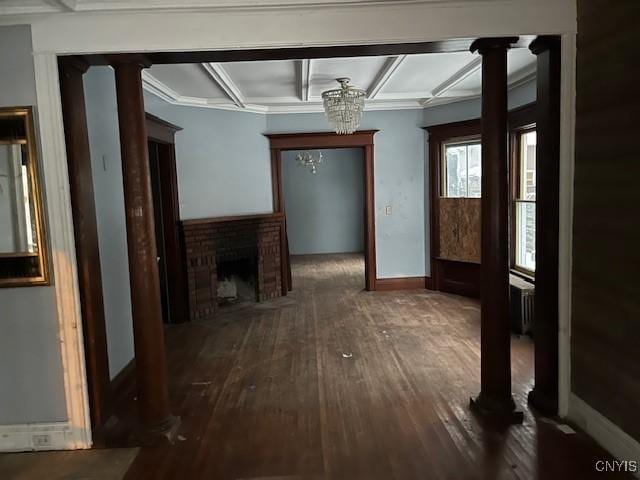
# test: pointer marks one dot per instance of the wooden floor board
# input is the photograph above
(333, 382)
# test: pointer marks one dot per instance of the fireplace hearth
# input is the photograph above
(231, 258)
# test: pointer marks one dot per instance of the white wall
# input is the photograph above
(106, 165)
(325, 210)
(31, 378)
(223, 167)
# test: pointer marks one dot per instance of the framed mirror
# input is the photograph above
(23, 245)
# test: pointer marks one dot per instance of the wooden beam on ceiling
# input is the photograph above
(220, 76)
(384, 75)
(291, 53)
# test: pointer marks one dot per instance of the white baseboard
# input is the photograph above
(604, 431)
(39, 436)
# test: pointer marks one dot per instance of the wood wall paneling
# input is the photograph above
(459, 229)
(605, 300)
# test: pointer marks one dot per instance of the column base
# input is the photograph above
(498, 410)
(167, 428)
(543, 402)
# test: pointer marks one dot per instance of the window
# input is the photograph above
(525, 201)
(462, 170)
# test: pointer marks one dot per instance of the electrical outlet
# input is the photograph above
(387, 210)
(41, 440)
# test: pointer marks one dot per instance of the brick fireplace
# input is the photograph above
(249, 239)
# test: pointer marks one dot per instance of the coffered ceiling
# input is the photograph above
(284, 86)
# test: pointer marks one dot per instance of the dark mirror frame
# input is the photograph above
(20, 270)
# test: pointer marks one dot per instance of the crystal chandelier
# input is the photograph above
(344, 106)
(306, 159)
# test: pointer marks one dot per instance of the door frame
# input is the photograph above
(163, 133)
(279, 142)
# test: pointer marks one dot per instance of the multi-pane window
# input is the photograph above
(462, 170)
(525, 202)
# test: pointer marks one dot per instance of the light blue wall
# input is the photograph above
(325, 210)
(401, 174)
(106, 166)
(222, 159)
(399, 166)
(31, 376)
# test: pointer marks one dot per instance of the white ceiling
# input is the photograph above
(284, 86)
(392, 82)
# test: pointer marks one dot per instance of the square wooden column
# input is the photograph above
(544, 395)
(85, 231)
(495, 397)
(148, 330)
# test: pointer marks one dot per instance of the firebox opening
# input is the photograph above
(237, 281)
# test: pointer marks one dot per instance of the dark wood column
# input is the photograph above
(370, 275)
(151, 370)
(544, 395)
(495, 396)
(86, 238)
(278, 207)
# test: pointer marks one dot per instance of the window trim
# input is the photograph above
(437, 136)
(521, 120)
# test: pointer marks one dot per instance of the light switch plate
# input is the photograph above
(387, 210)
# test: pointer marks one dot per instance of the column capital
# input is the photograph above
(136, 59)
(482, 45)
(73, 62)
(543, 43)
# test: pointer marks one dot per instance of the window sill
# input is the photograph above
(525, 276)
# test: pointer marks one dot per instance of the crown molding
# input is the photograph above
(523, 76)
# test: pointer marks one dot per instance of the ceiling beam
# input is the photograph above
(304, 79)
(469, 69)
(384, 75)
(220, 76)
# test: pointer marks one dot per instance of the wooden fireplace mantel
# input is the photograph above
(234, 218)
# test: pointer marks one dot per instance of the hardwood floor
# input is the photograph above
(332, 382)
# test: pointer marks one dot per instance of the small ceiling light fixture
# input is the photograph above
(307, 159)
(344, 106)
